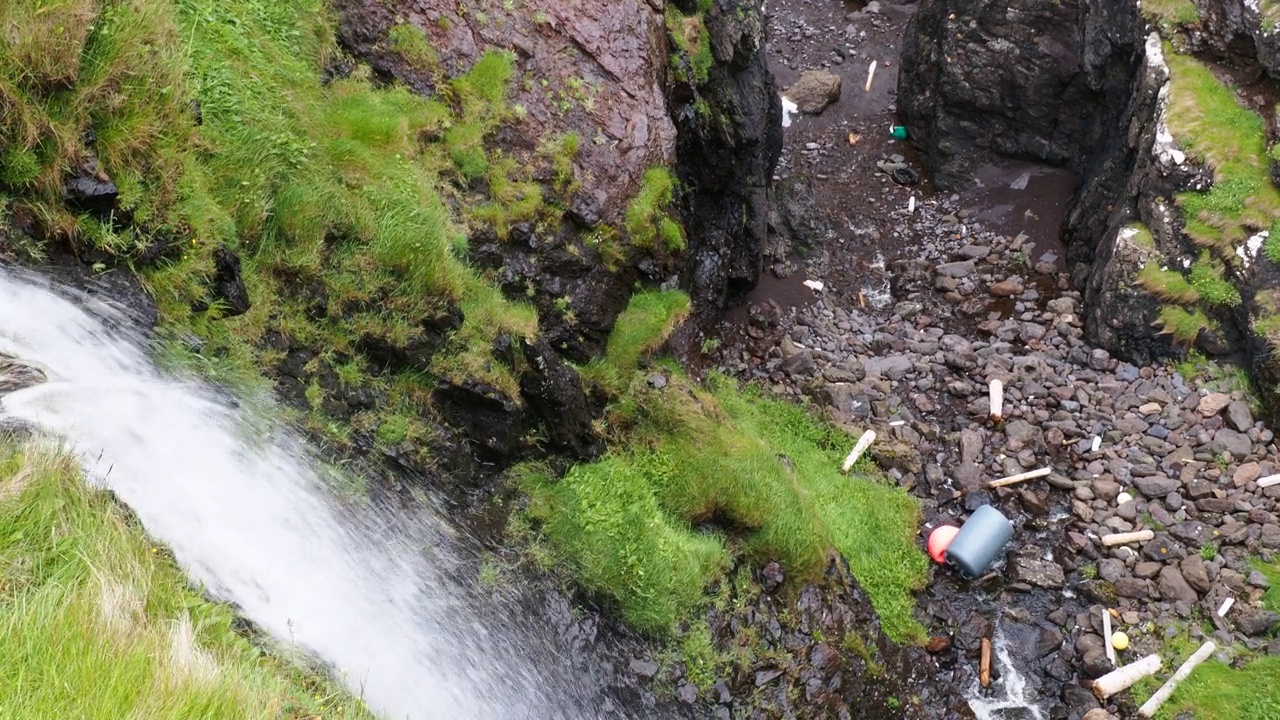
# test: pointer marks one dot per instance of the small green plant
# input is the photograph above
(1184, 325)
(647, 216)
(893, 702)
(1209, 551)
(709, 345)
(1089, 571)
(393, 430)
(1167, 284)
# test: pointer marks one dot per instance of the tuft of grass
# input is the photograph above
(648, 217)
(97, 622)
(1167, 285)
(1207, 277)
(413, 44)
(641, 329)
(1172, 12)
(691, 59)
(1182, 324)
(1210, 124)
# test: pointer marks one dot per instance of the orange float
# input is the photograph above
(939, 540)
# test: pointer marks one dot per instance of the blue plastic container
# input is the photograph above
(980, 541)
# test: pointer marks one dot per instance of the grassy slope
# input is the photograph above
(1206, 118)
(628, 525)
(96, 622)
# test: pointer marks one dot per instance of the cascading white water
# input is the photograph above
(249, 518)
(1010, 698)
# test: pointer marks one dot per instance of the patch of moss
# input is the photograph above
(1206, 276)
(1207, 120)
(648, 215)
(691, 59)
(1167, 284)
(1184, 325)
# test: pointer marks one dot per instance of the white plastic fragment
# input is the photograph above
(1020, 477)
(1106, 636)
(911, 205)
(1097, 444)
(1128, 537)
(1226, 606)
(1123, 498)
(814, 285)
(871, 74)
(997, 399)
(864, 442)
(1269, 480)
(1121, 679)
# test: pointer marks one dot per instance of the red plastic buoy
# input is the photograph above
(939, 540)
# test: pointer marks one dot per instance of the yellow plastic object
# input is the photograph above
(1119, 641)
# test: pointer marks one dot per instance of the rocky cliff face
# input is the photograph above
(728, 143)
(1086, 85)
(1044, 81)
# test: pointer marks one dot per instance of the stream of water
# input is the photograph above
(244, 510)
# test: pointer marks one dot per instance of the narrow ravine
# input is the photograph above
(242, 505)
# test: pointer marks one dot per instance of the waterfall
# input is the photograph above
(241, 503)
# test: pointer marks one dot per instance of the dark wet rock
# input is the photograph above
(771, 576)
(1040, 573)
(644, 668)
(799, 218)
(1173, 586)
(1238, 444)
(416, 352)
(814, 91)
(960, 269)
(227, 287)
(553, 390)
(1240, 416)
(88, 189)
(1255, 621)
(483, 414)
(1155, 487)
(1195, 573)
(15, 374)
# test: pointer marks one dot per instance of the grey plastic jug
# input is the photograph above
(980, 541)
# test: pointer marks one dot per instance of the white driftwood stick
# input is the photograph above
(1153, 704)
(1106, 635)
(864, 442)
(1226, 606)
(997, 399)
(1020, 477)
(1122, 679)
(984, 663)
(871, 74)
(1125, 538)
(1269, 480)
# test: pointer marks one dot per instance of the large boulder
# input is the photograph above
(814, 91)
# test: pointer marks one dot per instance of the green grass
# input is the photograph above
(704, 474)
(641, 329)
(1167, 284)
(1214, 128)
(1207, 277)
(1182, 324)
(648, 218)
(97, 622)
(691, 59)
(1176, 12)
